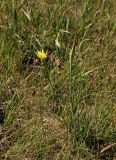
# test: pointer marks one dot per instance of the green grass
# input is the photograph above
(63, 109)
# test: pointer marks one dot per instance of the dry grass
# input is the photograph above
(63, 109)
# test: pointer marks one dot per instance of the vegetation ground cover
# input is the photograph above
(64, 107)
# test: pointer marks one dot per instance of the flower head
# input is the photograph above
(41, 54)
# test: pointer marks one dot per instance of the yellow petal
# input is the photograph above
(41, 55)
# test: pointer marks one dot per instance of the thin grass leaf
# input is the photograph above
(70, 74)
(26, 14)
(14, 15)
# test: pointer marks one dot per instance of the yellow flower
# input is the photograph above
(41, 54)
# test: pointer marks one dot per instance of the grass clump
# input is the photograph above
(62, 106)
